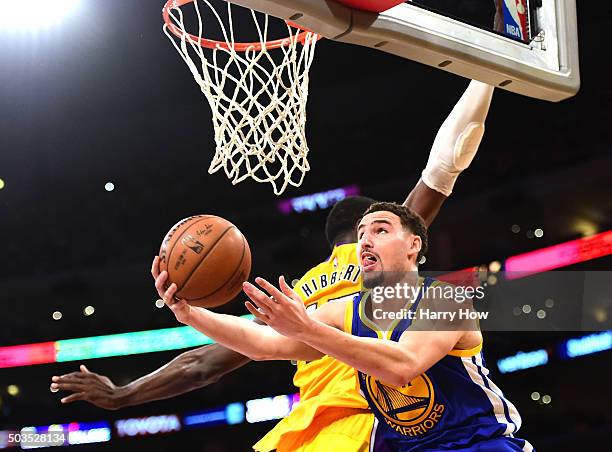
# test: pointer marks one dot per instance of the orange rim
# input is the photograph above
(237, 46)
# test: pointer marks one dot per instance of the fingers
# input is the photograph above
(287, 290)
(66, 379)
(73, 387)
(84, 369)
(155, 267)
(256, 312)
(73, 397)
(73, 376)
(278, 296)
(169, 295)
(261, 299)
(160, 282)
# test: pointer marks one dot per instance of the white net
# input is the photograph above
(257, 93)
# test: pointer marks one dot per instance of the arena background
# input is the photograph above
(102, 97)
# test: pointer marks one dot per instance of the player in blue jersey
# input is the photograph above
(424, 379)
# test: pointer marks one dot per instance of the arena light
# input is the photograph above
(34, 14)
(316, 201)
(541, 314)
(95, 432)
(231, 414)
(557, 256)
(103, 346)
(12, 390)
(145, 426)
(208, 417)
(89, 433)
(586, 345)
(270, 408)
(129, 343)
(25, 355)
(234, 413)
(523, 360)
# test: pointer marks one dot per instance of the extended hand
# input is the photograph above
(181, 309)
(88, 386)
(284, 311)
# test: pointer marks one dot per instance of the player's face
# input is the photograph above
(385, 248)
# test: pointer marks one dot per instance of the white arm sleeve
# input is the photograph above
(458, 139)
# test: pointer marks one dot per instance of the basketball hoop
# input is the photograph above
(257, 92)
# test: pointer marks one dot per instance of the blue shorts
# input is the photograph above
(500, 444)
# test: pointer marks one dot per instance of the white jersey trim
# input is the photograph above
(515, 417)
(494, 398)
(373, 434)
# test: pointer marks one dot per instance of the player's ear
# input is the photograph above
(415, 244)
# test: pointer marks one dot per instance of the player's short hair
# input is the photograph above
(411, 221)
(344, 216)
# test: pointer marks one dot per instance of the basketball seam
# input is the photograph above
(204, 256)
(244, 246)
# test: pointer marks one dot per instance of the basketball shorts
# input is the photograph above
(327, 431)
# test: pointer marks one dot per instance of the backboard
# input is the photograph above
(534, 53)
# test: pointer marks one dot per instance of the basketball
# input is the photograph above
(208, 258)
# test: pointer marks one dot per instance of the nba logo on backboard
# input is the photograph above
(515, 19)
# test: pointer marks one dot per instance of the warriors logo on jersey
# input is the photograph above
(410, 409)
(453, 405)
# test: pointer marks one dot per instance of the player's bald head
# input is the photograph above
(344, 216)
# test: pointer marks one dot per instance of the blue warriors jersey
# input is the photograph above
(452, 406)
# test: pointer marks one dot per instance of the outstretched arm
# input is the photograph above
(283, 312)
(188, 371)
(395, 363)
(258, 342)
(452, 152)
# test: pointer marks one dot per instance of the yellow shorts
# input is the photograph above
(340, 430)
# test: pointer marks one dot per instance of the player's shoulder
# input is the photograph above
(432, 282)
(341, 255)
(334, 314)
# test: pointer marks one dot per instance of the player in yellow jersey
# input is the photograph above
(424, 379)
(331, 413)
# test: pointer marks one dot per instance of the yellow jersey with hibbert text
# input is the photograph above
(329, 389)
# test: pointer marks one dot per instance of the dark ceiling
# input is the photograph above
(105, 97)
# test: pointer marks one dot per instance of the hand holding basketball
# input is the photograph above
(181, 309)
(207, 258)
